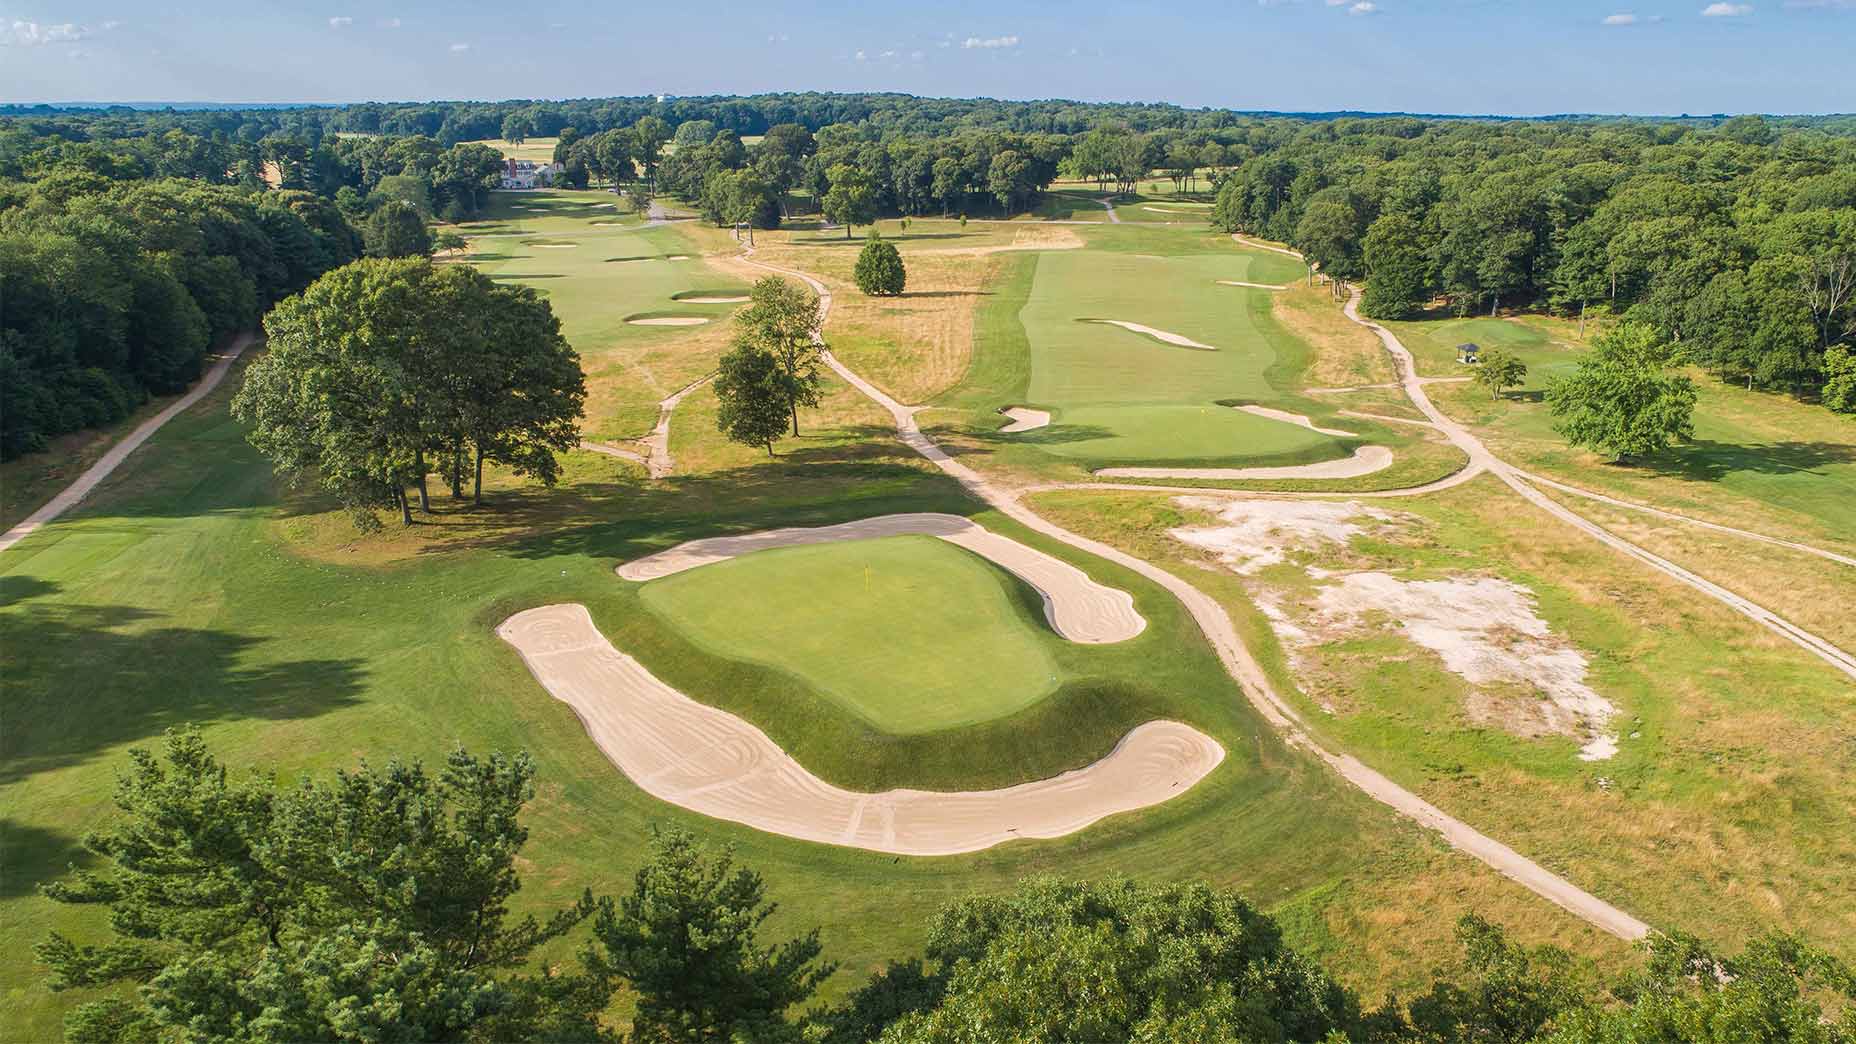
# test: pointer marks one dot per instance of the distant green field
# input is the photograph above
(540, 150)
(1122, 396)
(965, 650)
(600, 266)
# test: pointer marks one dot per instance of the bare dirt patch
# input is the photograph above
(1486, 630)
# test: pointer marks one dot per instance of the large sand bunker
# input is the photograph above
(1486, 630)
(1253, 286)
(669, 320)
(1300, 420)
(709, 761)
(1365, 461)
(1024, 418)
(711, 300)
(1078, 608)
(1160, 335)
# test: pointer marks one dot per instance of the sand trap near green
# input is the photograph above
(910, 633)
(1123, 395)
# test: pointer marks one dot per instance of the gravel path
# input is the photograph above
(78, 490)
(1482, 458)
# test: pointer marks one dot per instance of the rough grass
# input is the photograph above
(910, 633)
(916, 345)
(1727, 811)
(1759, 460)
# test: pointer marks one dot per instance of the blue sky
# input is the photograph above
(1459, 56)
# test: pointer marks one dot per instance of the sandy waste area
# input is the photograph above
(1487, 630)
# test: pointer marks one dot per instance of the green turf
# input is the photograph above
(910, 633)
(563, 244)
(1121, 396)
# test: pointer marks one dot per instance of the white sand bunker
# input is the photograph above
(669, 320)
(1078, 608)
(1253, 286)
(1487, 630)
(712, 300)
(1162, 335)
(1178, 208)
(711, 762)
(1298, 419)
(677, 257)
(1365, 461)
(552, 246)
(1025, 419)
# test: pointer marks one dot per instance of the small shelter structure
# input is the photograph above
(1469, 353)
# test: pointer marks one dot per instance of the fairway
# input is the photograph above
(1123, 395)
(909, 633)
(611, 278)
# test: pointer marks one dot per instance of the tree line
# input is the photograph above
(113, 290)
(379, 906)
(1735, 245)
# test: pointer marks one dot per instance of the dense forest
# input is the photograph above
(1737, 245)
(130, 238)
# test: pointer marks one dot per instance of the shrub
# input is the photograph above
(879, 268)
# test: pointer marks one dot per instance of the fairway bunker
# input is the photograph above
(1364, 461)
(1177, 340)
(711, 762)
(1078, 608)
(1025, 418)
(1297, 419)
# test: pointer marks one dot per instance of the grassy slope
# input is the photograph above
(967, 650)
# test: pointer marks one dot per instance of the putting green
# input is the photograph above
(1121, 395)
(909, 633)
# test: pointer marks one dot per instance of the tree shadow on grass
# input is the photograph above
(83, 679)
(1703, 460)
(32, 855)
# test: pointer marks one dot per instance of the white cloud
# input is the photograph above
(989, 42)
(340, 22)
(36, 34)
(916, 56)
(390, 23)
(459, 48)
(111, 24)
(860, 56)
(1726, 10)
(1620, 19)
(1364, 7)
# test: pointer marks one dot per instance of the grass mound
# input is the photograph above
(909, 633)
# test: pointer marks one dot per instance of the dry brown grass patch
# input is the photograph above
(1344, 354)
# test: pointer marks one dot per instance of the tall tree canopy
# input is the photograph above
(384, 368)
(1622, 400)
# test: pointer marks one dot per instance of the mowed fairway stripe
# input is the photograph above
(714, 763)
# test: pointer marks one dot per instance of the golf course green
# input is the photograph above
(1122, 395)
(909, 633)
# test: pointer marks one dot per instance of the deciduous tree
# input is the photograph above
(1622, 400)
(1500, 370)
(879, 270)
